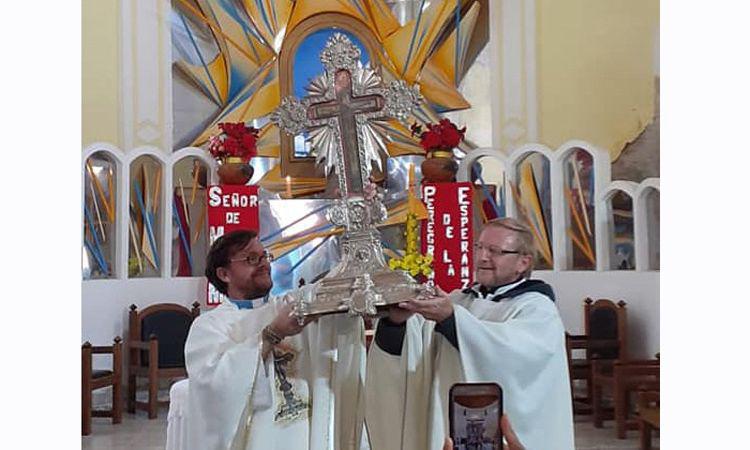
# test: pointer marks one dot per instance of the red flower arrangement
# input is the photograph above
(444, 135)
(237, 141)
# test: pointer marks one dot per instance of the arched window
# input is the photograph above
(189, 235)
(620, 212)
(99, 216)
(652, 227)
(145, 253)
(533, 204)
(578, 184)
(488, 174)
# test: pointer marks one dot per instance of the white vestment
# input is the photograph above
(238, 401)
(518, 343)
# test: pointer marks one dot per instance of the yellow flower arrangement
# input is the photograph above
(412, 262)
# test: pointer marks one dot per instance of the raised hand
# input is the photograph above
(437, 307)
(285, 324)
(398, 315)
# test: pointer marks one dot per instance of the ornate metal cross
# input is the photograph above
(345, 108)
(344, 114)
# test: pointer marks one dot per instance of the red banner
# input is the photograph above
(447, 234)
(230, 207)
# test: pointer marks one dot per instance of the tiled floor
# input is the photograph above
(136, 432)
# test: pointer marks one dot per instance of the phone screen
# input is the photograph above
(475, 410)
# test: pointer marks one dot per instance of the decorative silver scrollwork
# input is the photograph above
(362, 281)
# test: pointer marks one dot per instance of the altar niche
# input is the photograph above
(306, 41)
(99, 218)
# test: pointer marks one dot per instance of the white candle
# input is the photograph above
(288, 186)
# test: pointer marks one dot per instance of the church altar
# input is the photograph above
(141, 254)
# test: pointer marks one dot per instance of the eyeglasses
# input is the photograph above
(255, 259)
(494, 251)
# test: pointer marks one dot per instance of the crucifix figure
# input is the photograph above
(346, 107)
(345, 113)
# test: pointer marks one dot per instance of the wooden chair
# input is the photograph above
(648, 416)
(156, 348)
(604, 338)
(96, 379)
(622, 378)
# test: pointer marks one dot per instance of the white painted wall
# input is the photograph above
(105, 303)
(640, 290)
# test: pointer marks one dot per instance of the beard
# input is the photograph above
(262, 284)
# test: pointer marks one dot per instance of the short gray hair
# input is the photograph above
(522, 232)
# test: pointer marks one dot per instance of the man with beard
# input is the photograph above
(259, 379)
(504, 329)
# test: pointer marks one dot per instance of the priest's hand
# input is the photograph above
(285, 324)
(398, 315)
(437, 307)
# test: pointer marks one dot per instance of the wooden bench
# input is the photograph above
(648, 416)
(622, 378)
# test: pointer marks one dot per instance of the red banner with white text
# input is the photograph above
(447, 234)
(230, 207)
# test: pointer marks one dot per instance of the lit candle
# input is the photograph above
(288, 186)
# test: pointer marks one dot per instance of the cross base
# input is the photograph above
(361, 284)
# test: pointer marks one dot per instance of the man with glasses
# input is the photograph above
(258, 378)
(504, 329)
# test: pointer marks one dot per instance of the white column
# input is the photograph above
(513, 79)
(123, 218)
(558, 209)
(146, 74)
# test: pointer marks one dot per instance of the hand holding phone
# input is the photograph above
(475, 410)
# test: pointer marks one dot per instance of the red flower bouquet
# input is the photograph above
(237, 141)
(438, 143)
(444, 135)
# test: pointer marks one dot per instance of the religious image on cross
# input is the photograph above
(344, 114)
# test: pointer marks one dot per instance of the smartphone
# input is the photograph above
(474, 413)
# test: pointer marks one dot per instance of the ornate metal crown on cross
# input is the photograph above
(343, 114)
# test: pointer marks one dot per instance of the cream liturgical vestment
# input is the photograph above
(516, 342)
(306, 395)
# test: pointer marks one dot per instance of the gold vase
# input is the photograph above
(234, 171)
(439, 166)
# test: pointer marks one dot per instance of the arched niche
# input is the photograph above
(653, 221)
(619, 205)
(532, 192)
(299, 63)
(647, 225)
(145, 253)
(189, 227)
(99, 216)
(580, 222)
(489, 176)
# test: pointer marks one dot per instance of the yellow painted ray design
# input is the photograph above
(257, 99)
(410, 46)
(269, 142)
(304, 9)
(439, 76)
(382, 17)
(235, 27)
(269, 17)
(530, 197)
